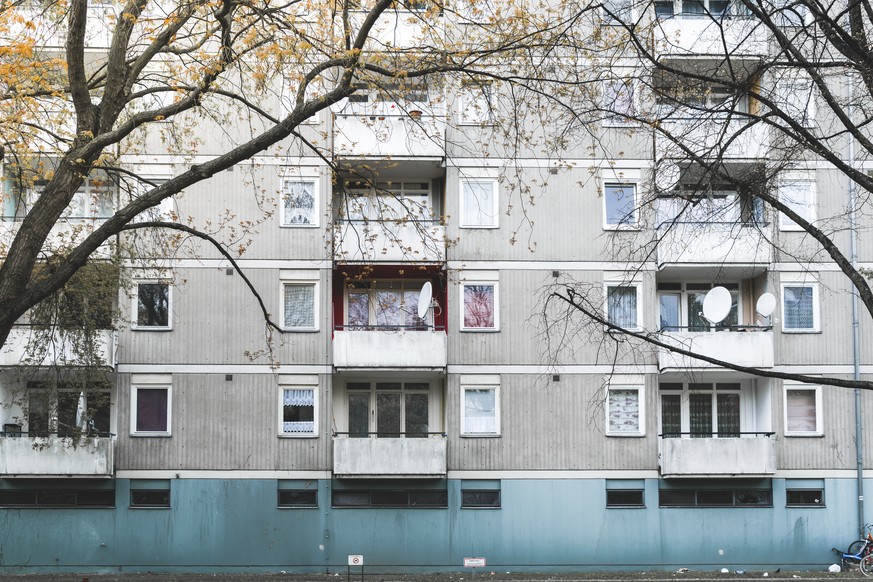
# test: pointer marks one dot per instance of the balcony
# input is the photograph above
(48, 27)
(423, 458)
(54, 456)
(751, 456)
(400, 28)
(722, 244)
(389, 348)
(379, 135)
(17, 352)
(388, 242)
(746, 346)
(710, 136)
(698, 35)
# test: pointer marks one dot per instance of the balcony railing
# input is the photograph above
(701, 35)
(389, 457)
(51, 455)
(710, 136)
(746, 345)
(748, 454)
(377, 135)
(366, 347)
(375, 241)
(17, 350)
(715, 243)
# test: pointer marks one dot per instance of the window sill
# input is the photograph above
(805, 506)
(622, 227)
(149, 507)
(300, 330)
(161, 435)
(297, 436)
(480, 436)
(479, 330)
(801, 331)
(803, 435)
(478, 226)
(150, 328)
(298, 225)
(630, 435)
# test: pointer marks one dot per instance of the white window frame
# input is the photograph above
(475, 104)
(135, 325)
(819, 430)
(625, 10)
(485, 281)
(714, 389)
(786, 223)
(466, 221)
(789, 89)
(625, 386)
(151, 382)
(288, 99)
(634, 214)
(609, 96)
(480, 383)
(316, 203)
(301, 278)
(165, 210)
(626, 284)
(298, 383)
(816, 304)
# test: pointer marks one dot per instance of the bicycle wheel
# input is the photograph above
(856, 547)
(867, 565)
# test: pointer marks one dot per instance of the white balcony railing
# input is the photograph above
(714, 244)
(400, 28)
(686, 36)
(709, 136)
(394, 348)
(19, 351)
(385, 241)
(753, 348)
(55, 456)
(378, 135)
(747, 456)
(390, 457)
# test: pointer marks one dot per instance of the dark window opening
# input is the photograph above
(415, 498)
(489, 499)
(704, 497)
(150, 498)
(804, 497)
(625, 498)
(61, 498)
(298, 498)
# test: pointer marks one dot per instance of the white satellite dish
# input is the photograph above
(424, 298)
(717, 304)
(766, 304)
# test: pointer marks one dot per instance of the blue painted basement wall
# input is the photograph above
(544, 525)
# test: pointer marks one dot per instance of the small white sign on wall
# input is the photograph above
(356, 559)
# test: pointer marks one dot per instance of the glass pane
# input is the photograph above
(479, 306)
(153, 305)
(99, 406)
(388, 311)
(388, 414)
(38, 414)
(479, 203)
(480, 414)
(625, 498)
(71, 411)
(671, 415)
(480, 498)
(800, 410)
(728, 412)
(410, 309)
(622, 306)
(359, 414)
(670, 306)
(701, 415)
(300, 306)
(696, 321)
(299, 203)
(151, 410)
(798, 308)
(620, 199)
(359, 308)
(298, 411)
(624, 411)
(416, 415)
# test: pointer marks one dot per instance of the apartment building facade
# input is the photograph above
(415, 409)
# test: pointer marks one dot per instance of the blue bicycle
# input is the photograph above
(860, 552)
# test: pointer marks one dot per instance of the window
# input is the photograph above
(619, 102)
(164, 211)
(388, 494)
(389, 409)
(620, 205)
(734, 494)
(692, 8)
(22, 185)
(625, 493)
(151, 410)
(300, 494)
(68, 409)
(795, 99)
(622, 305)
(681, 307)
(476, 104)
(386, 201)
(478, 203)
(480, 410)
(802, 410)
(384, 305)
(804, 493)
(299, 306)
(299, 408)
(152, 306)
(299, 202)
(800, 307)
(799, 196)
(150, 493)
(712, 206)
(100, 495)
(624, 414)
(618, 12)
(701, 410)
(480, 499)
(95, 198)
(480, 312)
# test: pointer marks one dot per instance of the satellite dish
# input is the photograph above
(766, 304)
(717, 304)
(424, 297)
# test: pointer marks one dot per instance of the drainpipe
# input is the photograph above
(856, 331)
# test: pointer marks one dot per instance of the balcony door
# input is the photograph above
(701, 410)
(391, 409)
